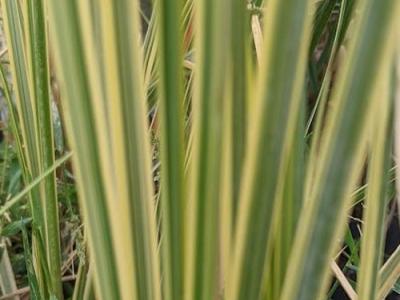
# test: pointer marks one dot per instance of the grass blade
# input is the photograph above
(240, 40)
(323, 216)
(7, 277)
(204, 172)
(40, 92)
(33, 281)
(375, 203)
(70, 59)
(276, 112)
(172, 145)
(109, 103)
(28, 188)
(15, 39)
(26, 35)
(389, 274)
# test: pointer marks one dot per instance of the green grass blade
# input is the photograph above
(322, 14)
(397, 110)
(26, 35)
(211, 78)
(15, 39)
(389, 274)
(109, 105)
(286, 213)
(240, 41)
(35, 292)
(130, 154)
(79, 115)
(89, 293)
(39, 78)
(81, 281)
(8, 284)
(327, 76)
(276, 114)
(375, 203)
(323, 216)
(27, 189)
(172, 145)
(13, 120)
